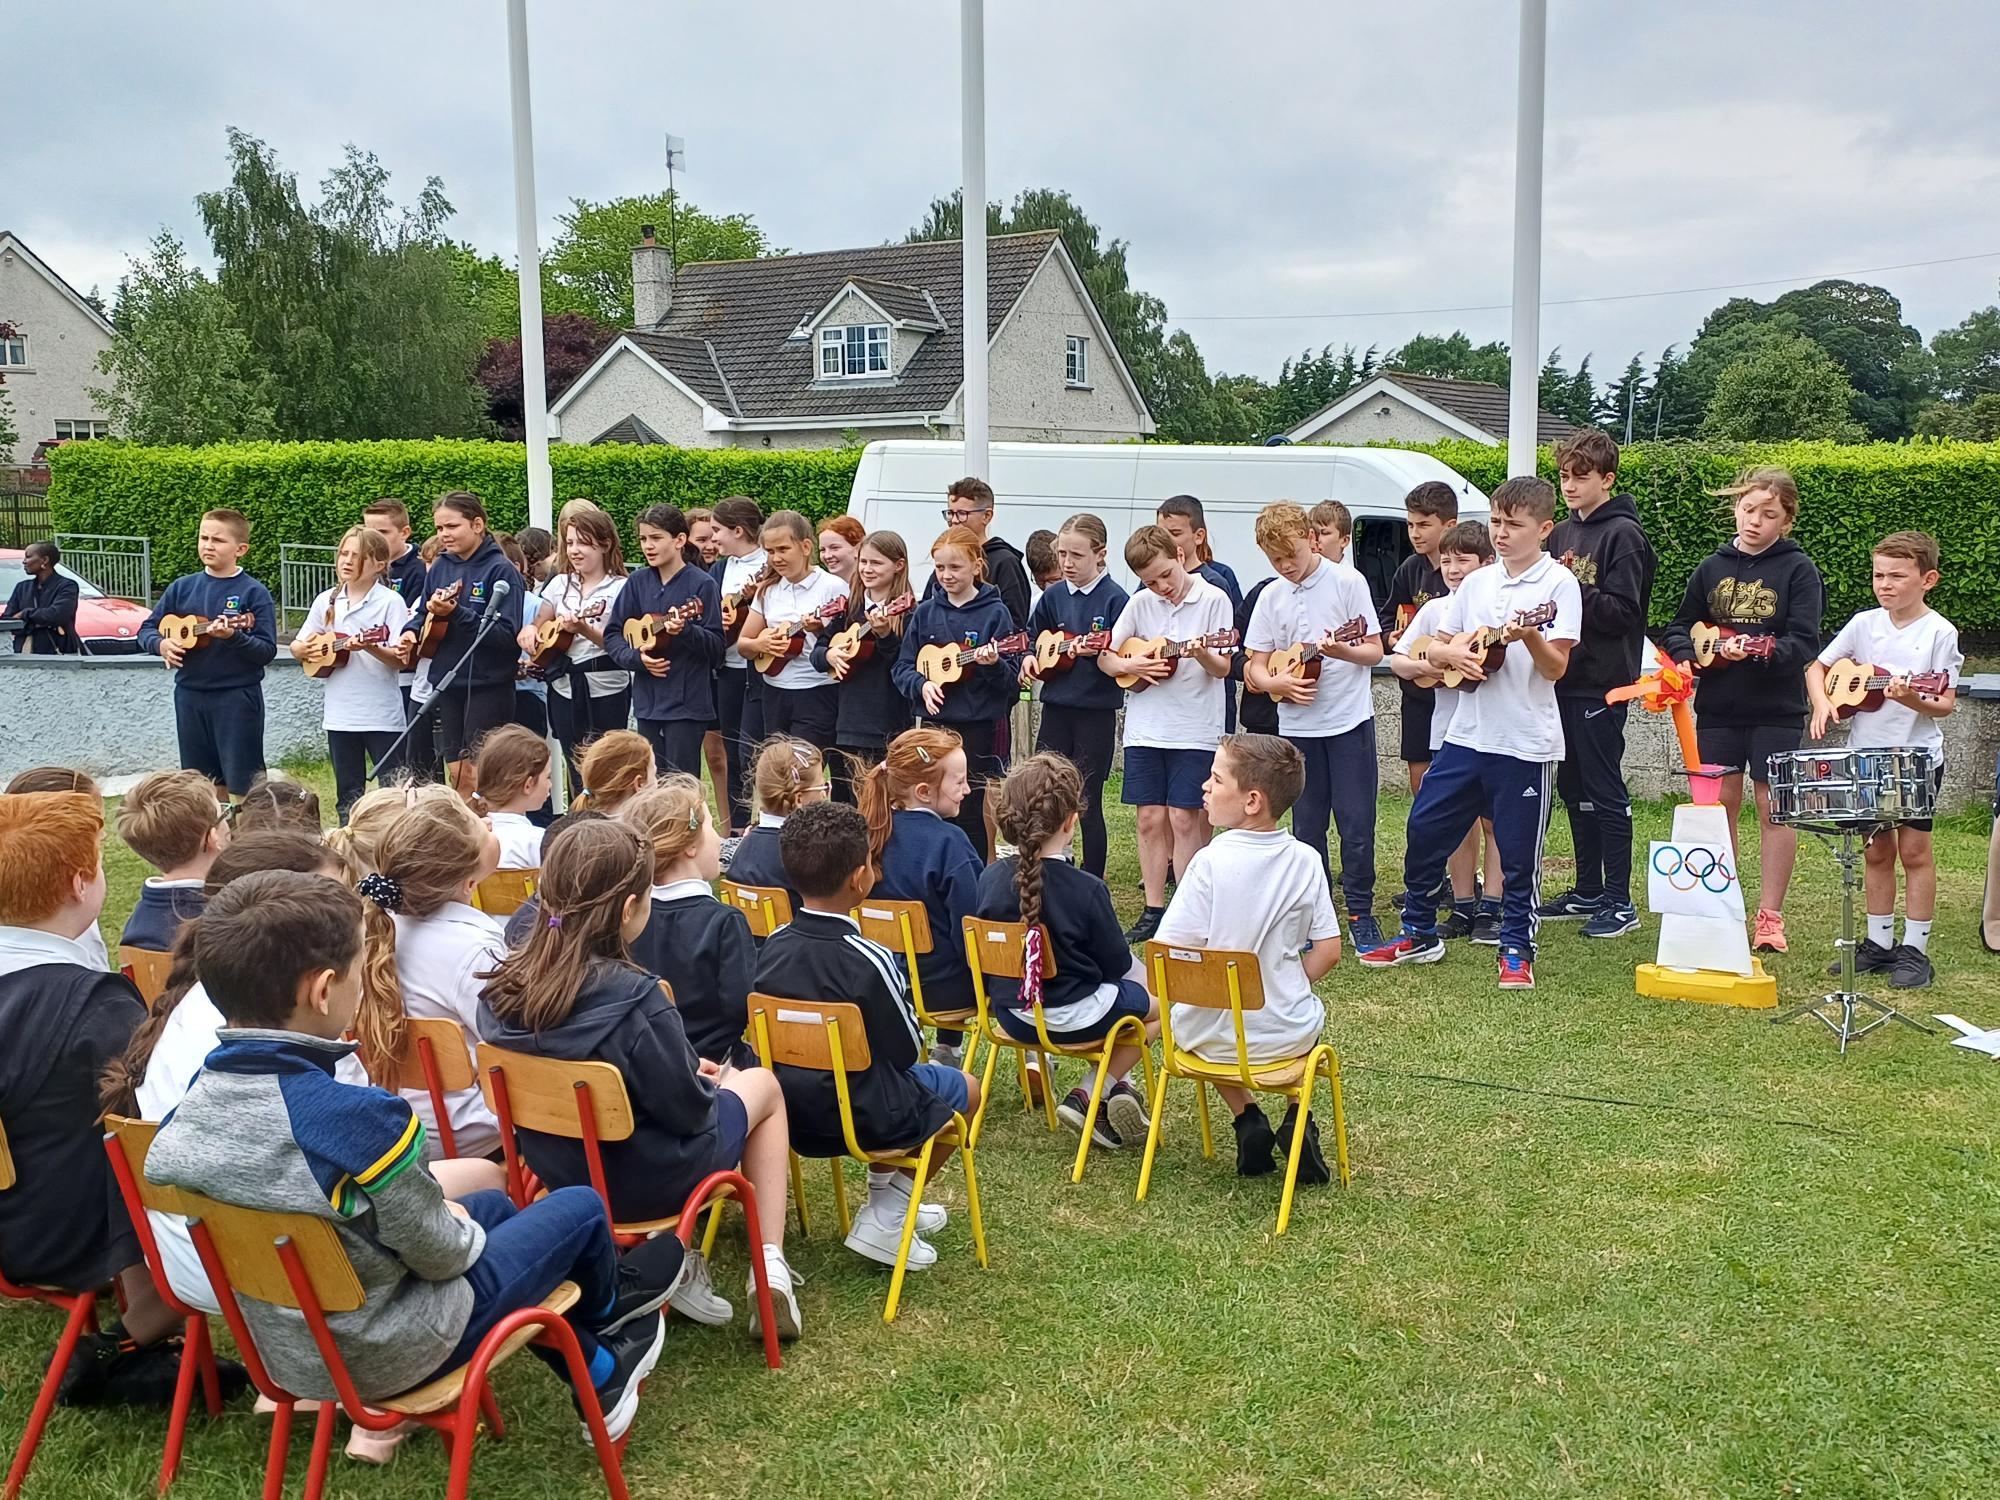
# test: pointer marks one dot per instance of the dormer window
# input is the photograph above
(856, 350)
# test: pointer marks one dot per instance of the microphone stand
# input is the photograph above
(438, 691)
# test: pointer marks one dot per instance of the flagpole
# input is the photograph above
(972, 232)
(534, 380)
(1524, 365)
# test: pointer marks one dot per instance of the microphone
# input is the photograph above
(501, 589)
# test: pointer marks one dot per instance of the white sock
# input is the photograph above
(880, 1184)
(1917, 934)
(1882, 930)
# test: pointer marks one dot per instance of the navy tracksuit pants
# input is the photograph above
(1462, 786)
(1340, 788)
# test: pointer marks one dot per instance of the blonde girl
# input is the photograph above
(872, 710)
(786, 775)
(363, 706)
(615, 766)
(516, 773)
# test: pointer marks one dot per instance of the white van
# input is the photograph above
(900, 487)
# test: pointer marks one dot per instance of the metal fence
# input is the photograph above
(24, 509)
(304, 573)
(121, 566)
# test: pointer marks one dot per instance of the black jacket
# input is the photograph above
(688, 689)
(47, 608)
(825, 957)
(1260, 712)
(1418, 580)
(1614, 564)
(233, 663)
(702, 949)
(499, 653)
(873, 710)
(1008, 574)
(758, 862)
(1084, 932)
(624, 1018)
(1776, 592)
(1080, 684)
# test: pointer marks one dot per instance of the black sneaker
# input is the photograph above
(1312, 1165)
(1075, 1105)
(1910, 968)
(647, 1275)
(1486, 928)
(1142, 930)
(1456, 924)
(1869, 958)
(634, 1350)
(1255, 1144)
(1365, 930)
(1612, 920)
(1569, 907)
(108, 1369)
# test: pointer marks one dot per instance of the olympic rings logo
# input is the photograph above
(1699, 867)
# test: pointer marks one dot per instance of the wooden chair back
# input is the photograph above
(147, 968)
(445, 1042)
(246, 1240)
(998, 950)
(768, 907)
(900, 926)
(505, 892)
(134, 1138)
(548, 1094)
(7, 1178)
(800, 1033)
(1201, 976)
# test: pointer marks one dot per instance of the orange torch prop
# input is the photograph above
(1668, 689)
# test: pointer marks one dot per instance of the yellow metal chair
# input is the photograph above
(996, 950)
(905, 927)
(829, 1037)
(505, 892)
(147, 968)
(768, 907)
(1221, 979)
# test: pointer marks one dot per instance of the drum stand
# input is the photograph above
(1846, 997)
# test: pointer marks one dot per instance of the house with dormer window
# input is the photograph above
(795, 351)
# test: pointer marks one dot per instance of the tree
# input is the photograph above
(1452, 357)
(1974, 421)
(1622, 397)
(589, 267)
(181, 370)
(487, 285)
(1789, 389)
(1968, 356)
(1573, 397)
(1310, 384)
(570, 341)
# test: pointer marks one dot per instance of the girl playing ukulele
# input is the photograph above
(860, 654)
(364, 707)
(588, 693)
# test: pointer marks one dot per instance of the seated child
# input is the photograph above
(615, 766)
(516, 773)
(572, 992)
(265, 1126)
(899, 1102)
(277, 802)
(1097, 982)
(65, 779)
(1291, 928)
(172, 821)
(700, 946)
(788, 774)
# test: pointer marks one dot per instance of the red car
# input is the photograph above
(108, 626)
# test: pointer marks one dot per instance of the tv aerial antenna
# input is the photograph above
(677, 160)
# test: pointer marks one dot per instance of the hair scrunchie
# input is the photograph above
(382, 890)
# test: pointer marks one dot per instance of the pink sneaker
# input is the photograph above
(1770, 936)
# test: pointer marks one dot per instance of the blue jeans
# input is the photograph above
(1461, 787)
(1340, 787)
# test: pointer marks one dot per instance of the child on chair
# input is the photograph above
(516, 774)
(1290, 926)
(172, 821)
(789, 774)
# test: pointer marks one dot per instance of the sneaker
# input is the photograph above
(1312, 1165)
(1365, 930)
(947, 1056)
(694, 1296)
(1073, 1109)
(1612, 920)
(108, 1369)
(1405, 950)
(378, 1448)
(1770, 936)
(1456, 924)
(1037, 1085)
(783, 1279)
(1869, 958)
(931, 1217)
(1256, 1144)
(647, 1276)
(1517, 971)
(1569, 907)
(1486, 928)
(634, 1350)
(1126, 1112)
(1911, 969)
(876, 1235)
(1142, 930)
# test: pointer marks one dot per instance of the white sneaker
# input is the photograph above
(947, 1057)
(876, 1236)
(784, 1306)
(694, 1294)
(931, 1217)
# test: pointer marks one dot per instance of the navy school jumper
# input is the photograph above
(688, 689)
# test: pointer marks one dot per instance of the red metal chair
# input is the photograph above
(446, 1066)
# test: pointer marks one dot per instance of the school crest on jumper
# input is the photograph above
(1743, 601)
(478, 592)
(1582, 566)
(233, 604)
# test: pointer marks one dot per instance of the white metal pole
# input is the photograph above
(1524, 397)
(534, 381)
(972, 235)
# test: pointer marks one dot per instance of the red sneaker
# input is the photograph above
(1407, 949)
(1516, 972)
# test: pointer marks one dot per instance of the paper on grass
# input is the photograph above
(1971, 1037)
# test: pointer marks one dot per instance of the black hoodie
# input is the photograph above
(1613, 563)
(702, 949)
(624, 1018)
(1775, 592)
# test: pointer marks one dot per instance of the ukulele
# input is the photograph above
(856, 643)
(1853, 687)
(649, 634)
(771, 663)
(1489, 641)
(552, 642)
(190, 631)
(1708, 640)
(734, 611)
(436, 621)
(1057, 650)
(1159, 649)
(1303, 663)
(327, 654)
(944, 665)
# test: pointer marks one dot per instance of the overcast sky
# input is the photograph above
(1266, 162)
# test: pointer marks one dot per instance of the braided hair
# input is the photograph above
(1033, 803)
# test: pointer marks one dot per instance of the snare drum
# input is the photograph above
(1864, 787)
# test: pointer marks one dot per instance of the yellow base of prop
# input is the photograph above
(1753, 991)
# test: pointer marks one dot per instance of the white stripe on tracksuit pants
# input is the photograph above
(1462, 786)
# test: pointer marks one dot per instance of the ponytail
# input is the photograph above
(380, 1025)
(1033, 803)
(914, 758)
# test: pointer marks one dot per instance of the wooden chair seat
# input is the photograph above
(444, 1392)
(147, 968)
(954, 1020)
(1285, 1073)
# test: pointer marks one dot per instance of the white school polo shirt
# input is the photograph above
(1928, 643)
(566, 596)
(438, 960)
(1185, 711)
(520, 840)
(1513, 712)
(1428, 620)
(1293, 614)
(737, 571)
(362, 696)
(784, 601)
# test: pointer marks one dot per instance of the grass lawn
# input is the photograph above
(1595, 1245)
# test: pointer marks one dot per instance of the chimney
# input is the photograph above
(652, 281)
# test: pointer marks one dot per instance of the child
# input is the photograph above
(1330, 720)
(1182, 518)
(872, 710)
(1080, 704)
(1475, 913)
(898, 1102)
(516, 773)
(1903, 637)
(219, 680)
(674, 685)
(965, 610)
(1602, 543)
(839, 536)
(789, 774)
(1290, 927)
(1428, 510)
(1097, 982)
(968, 507)
(389, 519)
(1040, 554)
(276, 801)
(801, 700)
(531, 693)
(588, 691)
(170, 820)
(470, 576)
(1171, 729)
(265, 1126)
(1499, 754)
(616, 766)
(363, 713)
(701, 535)
(738, 523)
(1749, 708)
(573, 992)
(698, 945)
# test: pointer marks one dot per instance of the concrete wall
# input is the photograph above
(1029, 397)
(1367, 424)
(628, 386)
(63, 345)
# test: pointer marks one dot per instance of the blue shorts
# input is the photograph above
(947, 1083)
(1132, 1001)
(1165, 778)
(221, 733)
(732, 1129)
